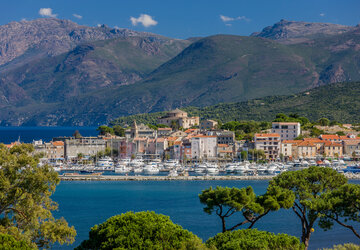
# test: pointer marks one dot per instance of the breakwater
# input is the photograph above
(174, 178)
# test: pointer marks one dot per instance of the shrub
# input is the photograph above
(9, 242)
(142, 230)
(253, 239)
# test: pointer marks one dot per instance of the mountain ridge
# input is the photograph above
(97, 81)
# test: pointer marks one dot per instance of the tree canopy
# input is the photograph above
(225, 202)
(308, 186)
(141, 230)
(25, 203)
(253, 239)
(342, 206)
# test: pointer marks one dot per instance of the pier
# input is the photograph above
(174, 178)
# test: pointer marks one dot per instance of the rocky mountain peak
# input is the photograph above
(49, 37)
(287, 32)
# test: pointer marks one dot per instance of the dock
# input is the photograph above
(159, 178)
(84, 177)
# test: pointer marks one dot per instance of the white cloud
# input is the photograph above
(47, 12)
(77, 16)
(322, 14)
(230, 19)
(143, 19)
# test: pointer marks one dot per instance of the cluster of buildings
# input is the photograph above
(205, 142)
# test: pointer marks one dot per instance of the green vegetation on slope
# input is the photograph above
(338, 102)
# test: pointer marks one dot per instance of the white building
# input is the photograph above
(269, 143)
(203, 147)
(286, 130)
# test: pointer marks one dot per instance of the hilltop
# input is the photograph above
(337, 102)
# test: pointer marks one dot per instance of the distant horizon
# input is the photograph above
(185, 19)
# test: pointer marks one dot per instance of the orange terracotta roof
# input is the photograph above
(177, 143)
(332, 144)
(164, 129)
(172, 138)
(314, 140)
(223, 145)
(352, 142)
(305, 144)
(346, 137)
(225, 151)
(330, 137)
(58, 143)
(267, 135)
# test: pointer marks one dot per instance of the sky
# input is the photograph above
(185, 18)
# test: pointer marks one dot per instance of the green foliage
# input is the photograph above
(324, 121)
(257, 154)
(119, 131)
(339, 102)
(25, 207)
(253, 239)
(342, 206)
(341, 133)
(244, 155)
(347, 246)
(291, 118)
(141, 230)
(315, 132)
(225, 202)
(308, 186)
(103, 130)
(9, 242)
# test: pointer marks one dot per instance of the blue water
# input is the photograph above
(28, 134)
(84, 204)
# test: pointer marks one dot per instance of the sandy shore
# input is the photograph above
(170, 178)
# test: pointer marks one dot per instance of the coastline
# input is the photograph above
(173, 178)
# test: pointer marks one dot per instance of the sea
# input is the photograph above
(87, 203)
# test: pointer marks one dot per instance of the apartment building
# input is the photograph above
(203, 147)
(286, 130)
(269, 143)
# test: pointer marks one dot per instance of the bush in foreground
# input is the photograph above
(347, 246)
(9, 242)
(142, 230)
(253, 239)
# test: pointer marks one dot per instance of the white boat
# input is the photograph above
(105, 162)
(171, 164)
(230, 168)
(173, 173)
(241, 169)
(151, 168)
(119, 168)
(200, 168)
(138, 170)
(125, 161)
(212, 168)
(137, 163)
(261, 169)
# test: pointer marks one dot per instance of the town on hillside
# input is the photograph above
(188, 140)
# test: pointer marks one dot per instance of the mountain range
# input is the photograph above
(56, 72)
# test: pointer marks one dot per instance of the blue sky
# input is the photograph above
(185, 18)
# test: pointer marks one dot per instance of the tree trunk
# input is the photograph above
(305, 237)
(223, 224)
